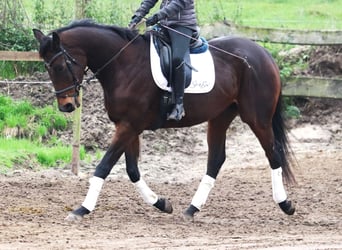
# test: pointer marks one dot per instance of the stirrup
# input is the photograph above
(177, 113)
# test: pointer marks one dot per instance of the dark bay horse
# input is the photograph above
(120, 59)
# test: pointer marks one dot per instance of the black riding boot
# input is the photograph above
(178, 91)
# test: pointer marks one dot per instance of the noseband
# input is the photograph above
(69, 61)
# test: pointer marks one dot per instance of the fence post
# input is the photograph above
(75, 161)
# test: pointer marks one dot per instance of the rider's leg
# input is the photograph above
(180, 39)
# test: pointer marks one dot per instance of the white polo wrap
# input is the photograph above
(203, 190)
(146, 193)
(279, 194)
(95, 187)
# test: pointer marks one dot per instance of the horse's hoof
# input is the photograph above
(164, 205)
(188, 214)
(187, 217)
(287, 207)
(168, 207)
(73, 217)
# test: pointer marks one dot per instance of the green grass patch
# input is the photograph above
(20, 119)
(24, 153)
(27, 135)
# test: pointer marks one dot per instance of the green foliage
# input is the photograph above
(52, 13)
(17, 39)
(291, 110)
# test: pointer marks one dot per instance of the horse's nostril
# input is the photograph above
(69, 107)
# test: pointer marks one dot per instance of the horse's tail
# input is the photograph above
(282, 145)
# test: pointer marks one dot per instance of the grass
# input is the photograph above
(22, 120)
(33, 155)
(305, 14)
(291, 14)
(26, 135)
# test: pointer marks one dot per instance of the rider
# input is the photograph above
(180, 16)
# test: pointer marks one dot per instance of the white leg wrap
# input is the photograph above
(95, 187)
(146, 193)
(279, 194)
(203, 190)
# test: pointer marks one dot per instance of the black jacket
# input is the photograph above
(172, 12)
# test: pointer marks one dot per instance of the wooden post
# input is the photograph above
(75, 162)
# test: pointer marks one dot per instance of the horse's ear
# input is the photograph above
(38, 35)
(55, 40)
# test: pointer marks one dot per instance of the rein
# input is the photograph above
(111, 59)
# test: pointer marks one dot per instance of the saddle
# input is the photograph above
(197, 81)
(162, 44)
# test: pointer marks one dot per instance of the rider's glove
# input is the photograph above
(152, 20)
(135, 20)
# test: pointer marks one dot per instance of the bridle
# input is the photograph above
(69, 61)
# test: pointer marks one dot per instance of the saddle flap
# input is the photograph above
(165, 61)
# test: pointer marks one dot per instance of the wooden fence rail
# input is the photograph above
(19, 56)
(294, 86)
(286, 36)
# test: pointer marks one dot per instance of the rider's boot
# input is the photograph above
(178, 110)
(178, 89)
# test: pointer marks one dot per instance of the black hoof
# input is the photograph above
(287, 207)
(189, 213)
(77, 214)
(164, 205)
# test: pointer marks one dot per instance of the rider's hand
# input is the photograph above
(152, 20)
(135, 20)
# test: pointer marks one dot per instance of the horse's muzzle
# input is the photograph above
(68, 107)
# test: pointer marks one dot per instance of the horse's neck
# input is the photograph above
(107, 48)
(110, 56)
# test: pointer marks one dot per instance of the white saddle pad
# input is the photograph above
(202, 80)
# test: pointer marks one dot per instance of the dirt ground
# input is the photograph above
(239, 214)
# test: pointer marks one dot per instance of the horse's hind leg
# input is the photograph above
(131, 156)
(216, 138)
(272, 137)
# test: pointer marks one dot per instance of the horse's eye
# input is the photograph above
(58, 68)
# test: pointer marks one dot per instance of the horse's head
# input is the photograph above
(65, 66)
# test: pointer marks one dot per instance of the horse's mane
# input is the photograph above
(125, 33)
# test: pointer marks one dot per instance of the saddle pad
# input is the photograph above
(202, 80)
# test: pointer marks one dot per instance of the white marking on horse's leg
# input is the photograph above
(279, 194)
(95, 187)
(146, 193)
(202, 193)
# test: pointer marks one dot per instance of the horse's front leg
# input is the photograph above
(124, 135)
(216, 138)
(131, 156)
